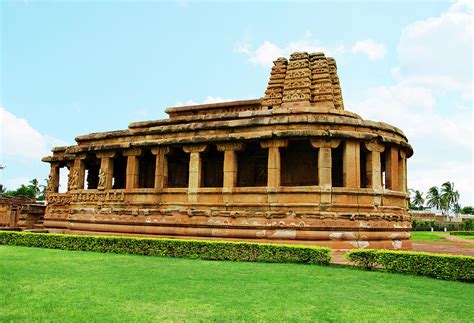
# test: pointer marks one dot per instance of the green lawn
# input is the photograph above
(43, 284)
(428, 236)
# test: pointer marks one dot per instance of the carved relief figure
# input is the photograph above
(101, 185)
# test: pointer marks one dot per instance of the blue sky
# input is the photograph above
(71, 68)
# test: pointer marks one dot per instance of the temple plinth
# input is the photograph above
(293, 166)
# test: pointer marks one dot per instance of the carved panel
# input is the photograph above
(58, 198)
(110, 196)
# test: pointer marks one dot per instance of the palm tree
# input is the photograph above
(3, 189)
(34, 184)
(449, 196)
(418, 200)
(433, 198)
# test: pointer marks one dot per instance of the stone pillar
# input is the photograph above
(351, 164)
(76, 180)
(391, 169)
(325, 160)
(106, 172)
(194, 170)
(132, 168)
(161, 167)
(53, 179)
(230, 163)
(373, 167)
(402, 171)
(274, 165)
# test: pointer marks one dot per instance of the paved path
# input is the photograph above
(456, 246)
(456, 238)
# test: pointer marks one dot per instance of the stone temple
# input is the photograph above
(290, 167)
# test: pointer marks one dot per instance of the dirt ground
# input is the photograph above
(456, 246)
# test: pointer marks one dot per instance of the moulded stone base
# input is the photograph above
(347, 239)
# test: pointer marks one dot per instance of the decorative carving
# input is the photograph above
(297, 95)
(73, 180)
(403, 154)
(298, 73)
(102, 179)
(299, 55)
(58, 199)
(110, 196)
(298, 64)
(303, 83)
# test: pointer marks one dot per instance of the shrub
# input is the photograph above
(462, 233)
(449, 267)
(197, 249)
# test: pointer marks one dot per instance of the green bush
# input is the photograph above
(462, 233)
(449, 267)
(198, 249)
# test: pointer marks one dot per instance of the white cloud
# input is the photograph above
(267, 52)
(438, 51)
(20, 140)
(424, 175)
(371, 48)
(206, 100)
(442, 136)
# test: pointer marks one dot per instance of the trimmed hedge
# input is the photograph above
(448, 267)
(462, 233)
(195, 249)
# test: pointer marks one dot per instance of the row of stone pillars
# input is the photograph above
(395, 166)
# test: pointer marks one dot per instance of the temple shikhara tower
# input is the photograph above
(293, 166)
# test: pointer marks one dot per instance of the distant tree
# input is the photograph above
(3, 189)
(23, 191)
(33, 190)
(467, 210)
(433, 198)
(418, 200)
(449, 197)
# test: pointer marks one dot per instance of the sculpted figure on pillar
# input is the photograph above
(51, 180)
(102, 177)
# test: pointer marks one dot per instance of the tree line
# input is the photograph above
(445, 198)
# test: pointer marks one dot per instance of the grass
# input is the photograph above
(44, 284)
(428, 236)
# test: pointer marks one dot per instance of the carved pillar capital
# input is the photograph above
(375, 146)
(274, 143)
(195, 149)
(236, 146)
(325, 143)
(403, 154)
(160, 150)
(105, 154)
(81, 156)
(132, 152)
